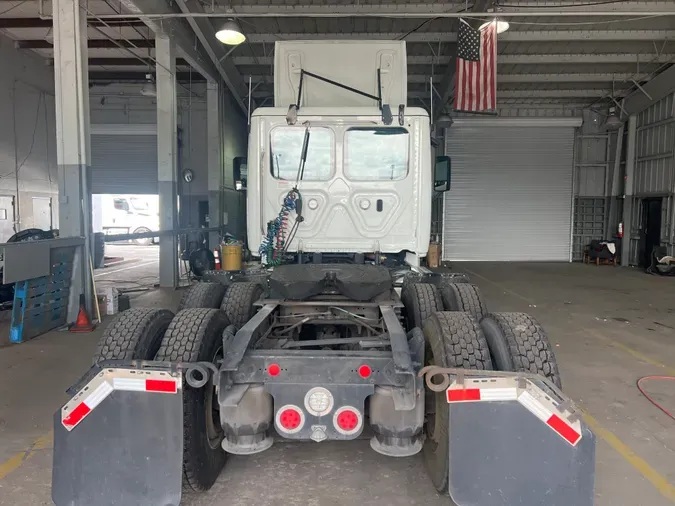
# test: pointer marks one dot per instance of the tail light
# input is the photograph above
(347, 420)
(290, 419)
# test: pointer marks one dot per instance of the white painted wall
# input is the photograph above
(27, 132)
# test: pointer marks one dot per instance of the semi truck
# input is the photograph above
(341, 333)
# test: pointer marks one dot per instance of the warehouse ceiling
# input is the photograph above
(571, 53)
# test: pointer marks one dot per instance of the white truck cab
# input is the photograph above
(366, 180)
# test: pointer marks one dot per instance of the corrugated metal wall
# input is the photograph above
(654, 173)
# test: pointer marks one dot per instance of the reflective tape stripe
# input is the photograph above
(110, 380)
(168, 386)
(129, 384)
(533, 406)
(561, 427)
(499, 394)
(463, 394)
(76, 415)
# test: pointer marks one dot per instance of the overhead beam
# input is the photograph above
(505, 94)
(204, 31)
(137, 77)
(174, 28)
(658, 88)
(510, 36)
(47, 23)
(510, 59)
(127, 62)
(91, 44)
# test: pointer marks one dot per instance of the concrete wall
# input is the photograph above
(27, 135)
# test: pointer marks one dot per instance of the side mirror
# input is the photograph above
(442, 174)
(240, 172)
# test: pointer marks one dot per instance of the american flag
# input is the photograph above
(476, 88)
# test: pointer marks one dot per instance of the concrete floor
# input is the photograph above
(609, 325)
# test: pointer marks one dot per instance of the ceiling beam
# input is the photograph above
(206, 34)
(510, 36)
(176, 29)
(116, 76)
(563, 78)
(658, 88)
(47, 23)
(505, 94)
(127, 62)
(510, 59)
(91, 44)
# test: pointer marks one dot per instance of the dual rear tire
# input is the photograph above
(194, 334)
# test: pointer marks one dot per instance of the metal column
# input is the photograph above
(72, 139)
(628, 190)
(167, 163)
(214, 161)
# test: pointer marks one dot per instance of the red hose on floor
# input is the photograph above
(649, 398)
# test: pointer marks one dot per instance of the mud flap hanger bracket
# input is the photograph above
(387, 117)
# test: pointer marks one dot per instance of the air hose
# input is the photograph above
(276, 240)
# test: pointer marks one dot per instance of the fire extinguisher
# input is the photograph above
(620, 231)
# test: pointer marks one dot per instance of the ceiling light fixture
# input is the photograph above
(613, 121)
(230, 33)
(149, 89)
(502, 25)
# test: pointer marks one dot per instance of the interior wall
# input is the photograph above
(28, 168)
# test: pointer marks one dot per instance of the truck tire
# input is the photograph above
(238, 301)
(526, 343)
(135, 334)
(195, 335)
(421, 300)
(205, 295)
(146, 241)
(453, 339)
(463, 297)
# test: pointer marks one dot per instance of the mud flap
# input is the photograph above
(120, 441)
(521, 447)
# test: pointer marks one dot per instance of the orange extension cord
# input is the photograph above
(649, 398)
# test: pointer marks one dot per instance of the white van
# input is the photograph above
(126, 214)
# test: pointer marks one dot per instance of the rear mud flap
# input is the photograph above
(120, 441)
(519, 451)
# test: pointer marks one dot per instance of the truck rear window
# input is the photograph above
(376, 153)
(286, 147)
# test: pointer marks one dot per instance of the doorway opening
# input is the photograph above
(650, 230)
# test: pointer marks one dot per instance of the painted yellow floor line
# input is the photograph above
(12, 464)
(666, 489)
(630, 351)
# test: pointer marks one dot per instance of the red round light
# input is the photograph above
(365, 371)
(273, 370)
(290, 419)
(347, 420)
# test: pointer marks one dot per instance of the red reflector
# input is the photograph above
(365, 371)
(273, 370)
(347, 420)
(152, 385)
(466, 394)
(290, 419)
(559, 425)
(77, 415)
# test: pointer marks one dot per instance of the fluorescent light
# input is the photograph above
(230, 33)
(502, 26)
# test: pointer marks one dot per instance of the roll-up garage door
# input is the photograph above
(124, 159)
(511, 194)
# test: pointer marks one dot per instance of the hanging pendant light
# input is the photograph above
(230, 33)
(613, 122)
(149, 89)
(502, 25)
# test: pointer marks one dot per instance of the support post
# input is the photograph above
(167, 163)
(71, 81)
(214, 158)
(628, 190)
